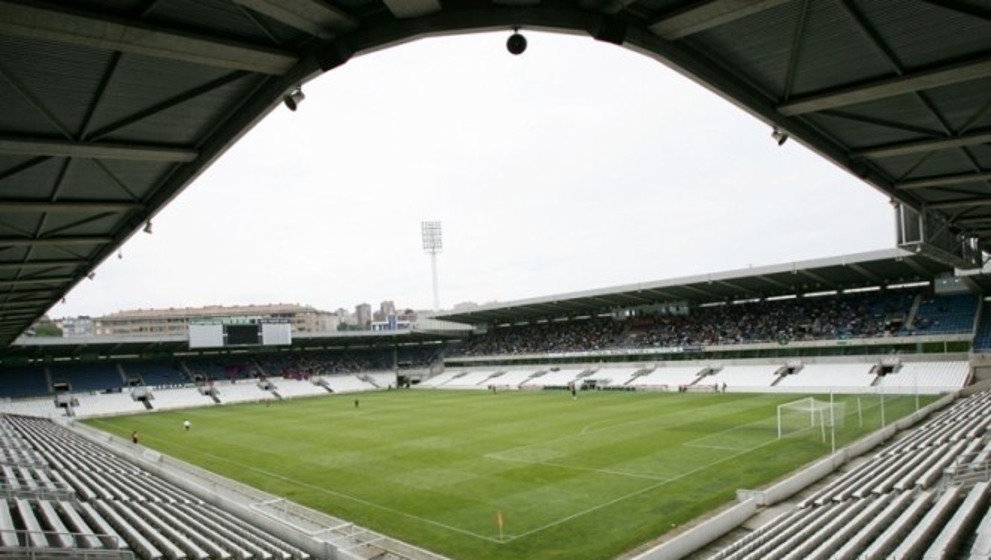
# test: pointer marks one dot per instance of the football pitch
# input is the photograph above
(571, 479)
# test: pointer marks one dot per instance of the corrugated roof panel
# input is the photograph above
(900, 165)
(834, 52)
(757, 46)
(982, 153)
(139, 176)
(960, 103)
(18, 224)
(943, 162)
(923, 34)
(34, 182)
(94, 227)
(903, 109)
(220, 18)
(86, 180)
(853, 132)
(185, 124)
(284, 34)
(142, 82)
(63, 79)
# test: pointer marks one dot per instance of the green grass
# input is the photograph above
(583, 479)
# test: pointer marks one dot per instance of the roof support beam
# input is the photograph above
(773, 282)
(62, 148)
(809, 274)
(311, 16)
(697, 290)
(918, 268)
(83, 207)
(888, 87)
(919, 146)
(944, 180)
(54, 241)
(406, 9)
(865, 273)
(707, 14)
(77, 27)
(32, 307)
(746, 291)
(961, 203)
(32, 281)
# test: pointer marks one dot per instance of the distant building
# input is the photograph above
(76, 326)
(387, 307)
(391, 323)
(175, 321)
(363, 314)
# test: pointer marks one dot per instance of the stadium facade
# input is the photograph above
(175, 321)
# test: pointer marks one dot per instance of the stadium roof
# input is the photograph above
(91, 346)
(875, 268)
(111, 107)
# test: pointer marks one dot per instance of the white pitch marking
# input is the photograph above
(496, 456)
(339, 494)
(635, 493)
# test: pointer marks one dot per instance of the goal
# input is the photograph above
(810, 414)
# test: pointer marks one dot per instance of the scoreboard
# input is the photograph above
(239, 335)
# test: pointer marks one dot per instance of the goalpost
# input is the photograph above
(810, 414)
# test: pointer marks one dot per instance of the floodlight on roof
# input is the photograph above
(433, 243)
(148, 227)
(779, 136)
(294, 98)
(91, 275)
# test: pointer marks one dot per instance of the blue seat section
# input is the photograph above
(156, 373)
(982, 342)
(221, 368)
(25, 381)
(88, 377)
(953, 314)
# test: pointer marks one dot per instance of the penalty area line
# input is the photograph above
(497, 457)
(635, 493)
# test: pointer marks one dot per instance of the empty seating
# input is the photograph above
(289, 388)
(928, 376)
(345, 384)
(471, 379)
(890, 505)
(86, 377)
(245, 391)
(743, 378)
(165, 399)
(854, 378)
(511, 378)
(667, 377)
(23, 382)
(114, 505)
(156, 373)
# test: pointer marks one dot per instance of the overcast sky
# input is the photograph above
(574, 166)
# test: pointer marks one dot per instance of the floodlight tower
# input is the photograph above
(432, 244)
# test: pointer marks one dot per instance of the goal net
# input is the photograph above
(809, 414)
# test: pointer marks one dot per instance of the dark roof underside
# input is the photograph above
(877, 268)
(108, 109)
